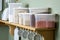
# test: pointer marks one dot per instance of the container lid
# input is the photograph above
(45, 17)
(38, 9)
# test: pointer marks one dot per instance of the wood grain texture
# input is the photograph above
(23, 26)
(48, 34)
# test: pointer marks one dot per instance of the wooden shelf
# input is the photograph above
(48, 34)
(14, 24)
(25, 27)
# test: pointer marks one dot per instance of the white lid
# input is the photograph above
(26, 13)
(21, 8)
(15, 5)
(38, 9)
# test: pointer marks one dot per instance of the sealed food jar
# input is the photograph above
(45, 20)
(21, 10)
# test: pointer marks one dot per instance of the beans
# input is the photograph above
(45, 24)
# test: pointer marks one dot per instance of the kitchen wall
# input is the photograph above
(4, 35)
(4, 30)
(54, 4)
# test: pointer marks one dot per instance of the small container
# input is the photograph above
(39, 10)
(26, 19)
(45, 20)
(15, 5)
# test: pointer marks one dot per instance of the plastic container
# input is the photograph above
(26, 19)
(16, 13)
(45, 20)
(39, 10)
(15, 5)
(29, 19)
(11, 11)
(32, 22)
(21, 10)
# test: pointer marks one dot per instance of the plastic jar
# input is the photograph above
(45, 20)
(11, 14)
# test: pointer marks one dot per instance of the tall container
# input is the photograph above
(11, 10)
(45, 20)
(27, 19)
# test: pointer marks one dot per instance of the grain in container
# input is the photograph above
(45, 20)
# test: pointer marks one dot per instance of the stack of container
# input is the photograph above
(38, 19)
(16, 13)
(44, 20)
(34, 17)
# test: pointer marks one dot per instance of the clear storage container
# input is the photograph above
(39, 10)
(26, 19)
(45, 20)
(17, 11)
(21, 18)
(11, 10)
(29, 19)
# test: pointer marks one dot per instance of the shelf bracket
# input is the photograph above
(11, 29)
